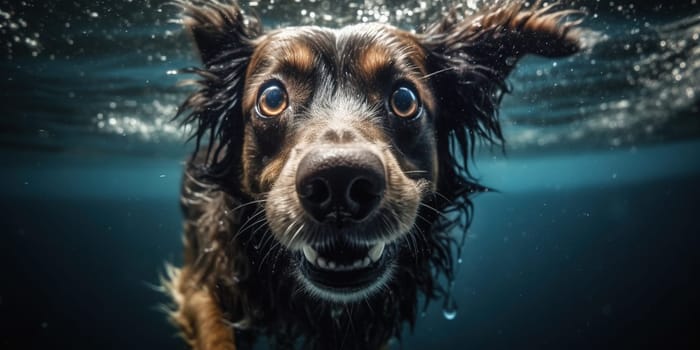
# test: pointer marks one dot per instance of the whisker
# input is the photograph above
(279, 248)
(289, 228)
(438, 72)
(258, 225)
(386, 225)
(434, 210)
(424, 219)
(294, 236)
(409, 244)
(443, 197)
(247, 204)
(246, 225)
(275, 246)
(413, 238)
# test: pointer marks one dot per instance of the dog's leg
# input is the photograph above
(198, 314)
(211, 331)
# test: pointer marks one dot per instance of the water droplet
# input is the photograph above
(449, 314)
(459, 261)
(449, 308)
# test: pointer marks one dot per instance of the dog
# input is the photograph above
(331, 166)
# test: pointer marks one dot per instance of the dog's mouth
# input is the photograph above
(345, 272)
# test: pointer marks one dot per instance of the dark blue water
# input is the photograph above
(591, 241)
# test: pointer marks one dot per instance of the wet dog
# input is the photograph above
(335, 168)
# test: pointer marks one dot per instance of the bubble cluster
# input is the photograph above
(18, 35)
(124, 120)
(634, 84)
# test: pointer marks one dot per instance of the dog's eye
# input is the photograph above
(272, 100)
(404, 102)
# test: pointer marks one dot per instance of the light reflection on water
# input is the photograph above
(111, 77)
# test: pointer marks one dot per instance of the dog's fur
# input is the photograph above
(243, 224)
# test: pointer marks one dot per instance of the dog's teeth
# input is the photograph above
(310, 254)
(373, 255)
(376, 252)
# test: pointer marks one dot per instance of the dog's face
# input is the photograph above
(348, 135)
(340, 142)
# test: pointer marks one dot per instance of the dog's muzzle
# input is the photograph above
(340, 187)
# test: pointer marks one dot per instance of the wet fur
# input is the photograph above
(234, 285)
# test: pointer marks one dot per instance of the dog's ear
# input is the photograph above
(470, 56)
(218, 28)
(224, 37)
(496, 37)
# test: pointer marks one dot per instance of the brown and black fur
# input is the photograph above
(236, 283)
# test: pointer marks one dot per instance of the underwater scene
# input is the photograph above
(588, 238)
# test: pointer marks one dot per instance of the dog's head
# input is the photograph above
(351, 141)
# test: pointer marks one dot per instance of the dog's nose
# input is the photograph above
(340, 183)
